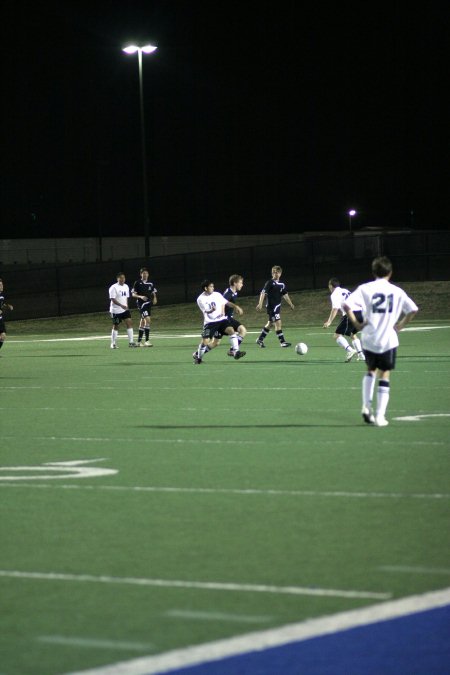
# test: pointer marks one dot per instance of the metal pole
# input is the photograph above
(144, 160)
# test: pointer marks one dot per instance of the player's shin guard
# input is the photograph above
(280, 335)
(368, 387)
(382, 397)
(264, 333)
(140, 334)
(357, 344)
(342, 342)
(234, 342)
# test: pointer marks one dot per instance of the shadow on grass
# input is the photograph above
(241, 426)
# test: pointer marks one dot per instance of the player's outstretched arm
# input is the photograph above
(330, 319)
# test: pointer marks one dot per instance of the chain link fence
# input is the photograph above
(60, 290)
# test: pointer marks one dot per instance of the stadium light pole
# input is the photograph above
(146, 49)
(351, 214)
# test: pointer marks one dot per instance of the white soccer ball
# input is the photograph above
(301, 348)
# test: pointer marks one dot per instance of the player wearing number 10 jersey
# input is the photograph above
(386, 310)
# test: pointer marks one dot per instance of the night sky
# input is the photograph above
(260, 117)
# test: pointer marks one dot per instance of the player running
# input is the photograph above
(386, 310)
(236, 282)
(345, 326)
(274, 290)
(216, 325)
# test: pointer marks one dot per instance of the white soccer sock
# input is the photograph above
(234, 341)
(202, 349)
(130, 334)
(357, 344)
(342, 342)
(114, 334)
(382, 397)
(368, 386)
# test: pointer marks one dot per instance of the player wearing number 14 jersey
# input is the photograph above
(386, 310)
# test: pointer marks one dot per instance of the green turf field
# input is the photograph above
(240, 495)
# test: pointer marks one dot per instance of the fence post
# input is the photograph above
(185, 279)
(58, 291)
(313, 257)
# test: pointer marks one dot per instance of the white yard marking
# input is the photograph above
(417, 418)
(275, 637)
(193, 615)
(92, 643)
(409, 569)
(199, 585)
(244, 491)
(412, 329)
(55, 471)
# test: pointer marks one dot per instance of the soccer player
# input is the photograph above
(145, 293)
(215, 322)
(118, 308)
(274, 290)
(236, 282)
(386, 310)
(3, 305)
(345, 326)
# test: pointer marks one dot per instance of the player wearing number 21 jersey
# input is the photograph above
(386, 310)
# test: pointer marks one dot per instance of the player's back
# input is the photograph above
(383, 303)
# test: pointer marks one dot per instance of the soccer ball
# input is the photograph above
(301, 348)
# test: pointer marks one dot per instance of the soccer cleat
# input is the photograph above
(367, 415)
(148, 343)
(260, 343)
(113, 346)
(360, 357)
(132, 344)
(285, 344)
(230, 352)
(350, 354)
(381, 421)
(140, 344)
(239, 355)
(197, 360)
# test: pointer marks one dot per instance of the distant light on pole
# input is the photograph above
(351, 214)
(145, 49)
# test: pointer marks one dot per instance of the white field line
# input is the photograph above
(206, 441)
(181, 388)
(93, 643)
(87, 338)
(409, 569)
(275, 637)
(199, 585)
(193, 615)
(238, 491)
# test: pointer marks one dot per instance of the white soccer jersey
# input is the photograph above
(121, 293)
(212, 306)
(383, 304)
(338, 297)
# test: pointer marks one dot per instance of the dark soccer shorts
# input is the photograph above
(145, 309)
(216, 329)
(2, 325)
(118, 318)
(234, 323)
(274, 313)
(345, 326)
(384, 361)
